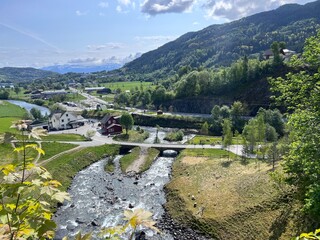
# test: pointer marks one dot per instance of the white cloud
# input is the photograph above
(154, 7)
(119, 9)
(95, 61)
(125, 5)
(103, 4)
(124, 2)
(79, 13)
(105, 46)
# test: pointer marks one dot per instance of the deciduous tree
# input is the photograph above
(300, 92)
(126, 121)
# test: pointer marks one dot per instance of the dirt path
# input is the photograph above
(137, 164)
(39, 154)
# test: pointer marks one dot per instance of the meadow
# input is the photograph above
(212, 140)
(224, 198)
(10, 110)
(69, 137)
(8, 114)
(53, 148)
(129, 85)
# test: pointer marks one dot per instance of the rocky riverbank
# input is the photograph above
(178, 231)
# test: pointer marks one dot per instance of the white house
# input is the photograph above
(65, 120)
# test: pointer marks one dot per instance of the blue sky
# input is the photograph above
(38, 33)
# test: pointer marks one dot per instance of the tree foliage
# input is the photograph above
(134, 219)
(126, 121)
(226, 132)
(25, 190)
(300, 92)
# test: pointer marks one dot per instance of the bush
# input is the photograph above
(174, 136)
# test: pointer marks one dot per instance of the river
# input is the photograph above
(99, 198)
(28, 106)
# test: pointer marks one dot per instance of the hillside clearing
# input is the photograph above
(226, 199)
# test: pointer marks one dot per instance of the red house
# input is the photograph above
(110, 125)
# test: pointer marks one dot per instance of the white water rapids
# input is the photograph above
(99, 198)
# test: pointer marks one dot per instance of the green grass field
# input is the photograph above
(129, 85)
(53, 148)
(8, 114)
(6, 122)
(211, 140)
(10, 110)
(69, 137)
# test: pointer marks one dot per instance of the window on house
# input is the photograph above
(109, 122)
(67, 114)
(62, 120)
(68, 119)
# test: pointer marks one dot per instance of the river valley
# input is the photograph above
(99, 198)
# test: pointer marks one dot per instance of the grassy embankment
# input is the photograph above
(8, 114)
(226, 199)
(152, 153)
(211, 140)
(68, 137)
(135, 154)
(129, 158)
(65, 167)
(53, 148)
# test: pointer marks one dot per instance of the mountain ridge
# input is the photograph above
(24, 74)
(221, 44)
(82, 69)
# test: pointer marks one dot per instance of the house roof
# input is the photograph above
(62, 91)
(105, 119)
(113, 125)
(94, 88)
(58, 115)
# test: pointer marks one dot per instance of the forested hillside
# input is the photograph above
(18, 75)
(220, 45)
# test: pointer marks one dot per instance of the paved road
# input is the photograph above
(99, 139)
